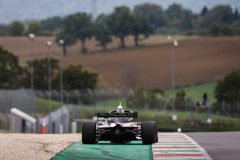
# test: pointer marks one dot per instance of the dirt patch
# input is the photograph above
(34, 146)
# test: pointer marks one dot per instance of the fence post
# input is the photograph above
(74, 127)
(61, 128)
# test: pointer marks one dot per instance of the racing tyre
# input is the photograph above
(156, 132)
(148, 131)
(89, 133)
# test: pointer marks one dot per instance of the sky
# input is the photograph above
(40, 9)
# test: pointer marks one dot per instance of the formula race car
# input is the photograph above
(119, 126)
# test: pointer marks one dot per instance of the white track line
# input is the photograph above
(178, 146)
(201, 148)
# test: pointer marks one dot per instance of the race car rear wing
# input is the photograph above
(132, 114)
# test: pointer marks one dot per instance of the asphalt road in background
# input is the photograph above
(219, 145)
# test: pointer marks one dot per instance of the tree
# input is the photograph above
(40, 72)
(174, 11)
(16, 28)
(152, 12)
(146, 99)
(77, 78)
(227, 93)
(178, 17)
(10, 76)
(4, 30)
(236, 15)
(236, 27)
(224, 14)
(35, 27)
(138, 100)
(79, 27)
(140, 27)
(204, 11)
(102, 32)
(52, 24)
(180, 100)
(68, 40)
(228, 89)
(155, 98)
(226, 30)
(121, 23)
(187, 20)
(215, 30)
(220, 14)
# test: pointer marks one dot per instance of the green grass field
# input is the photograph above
(42, 105)
(160, 39)
(195, 92)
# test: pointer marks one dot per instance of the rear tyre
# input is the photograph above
(148, 131)
(156, 132)
(89, 133)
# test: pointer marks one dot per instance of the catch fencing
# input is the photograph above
(22, 99)
(84, 97)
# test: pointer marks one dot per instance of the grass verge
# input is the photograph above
(196, 92)
(43, 106)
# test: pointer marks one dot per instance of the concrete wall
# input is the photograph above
(55, 122)
(20, 125)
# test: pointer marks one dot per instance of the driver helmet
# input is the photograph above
(120, 109)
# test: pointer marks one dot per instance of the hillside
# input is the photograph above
(197, 60)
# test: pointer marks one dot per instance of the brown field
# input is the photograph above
(197, 60)
(21, 45)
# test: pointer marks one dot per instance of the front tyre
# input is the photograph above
(89, 133)
(148, 132)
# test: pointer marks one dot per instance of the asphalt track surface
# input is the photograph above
(177, 146)
(219, 145)
(171, 146)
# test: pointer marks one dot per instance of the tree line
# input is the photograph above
(121, 23)
(143, 19)
(14, 76)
